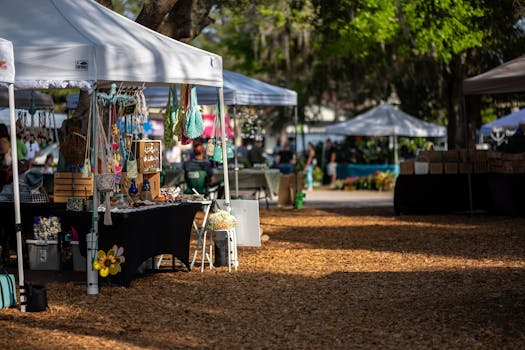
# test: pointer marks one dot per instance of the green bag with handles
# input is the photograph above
(194, 125)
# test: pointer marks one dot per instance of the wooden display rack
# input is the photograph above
(71, 185)
(149, 155)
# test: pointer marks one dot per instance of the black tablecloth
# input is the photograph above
(501, 194)
(143, 234)
(147, 233)
(443, 193)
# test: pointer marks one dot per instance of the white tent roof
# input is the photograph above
(67, 43)
(386, 120)
(7, 67)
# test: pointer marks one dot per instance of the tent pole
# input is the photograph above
(467, 146)
(295, 119)
(16, 195)
(396, 156)
(55, 126)
(92, 237)
(235, 153)
(224, 152)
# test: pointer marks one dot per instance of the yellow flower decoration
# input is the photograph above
(109, 263)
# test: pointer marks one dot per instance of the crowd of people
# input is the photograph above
(198, 169)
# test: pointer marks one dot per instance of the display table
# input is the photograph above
(500, 194)
(350, 170)
(143, 234)
(266, 180)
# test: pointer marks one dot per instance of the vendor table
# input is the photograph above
(266, 180)
(144, 233)
(493, 193)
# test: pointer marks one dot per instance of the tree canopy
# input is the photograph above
(350, 54)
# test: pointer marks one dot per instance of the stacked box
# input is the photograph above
(451, 168)
(43, 255)
(406, 168)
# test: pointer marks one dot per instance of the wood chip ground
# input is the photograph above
(326, 279)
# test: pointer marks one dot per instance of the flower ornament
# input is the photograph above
(221, 220)
(109, 263)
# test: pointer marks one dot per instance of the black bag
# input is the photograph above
(7, 291)
(36, 297)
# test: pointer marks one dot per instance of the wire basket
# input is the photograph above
(25, 197)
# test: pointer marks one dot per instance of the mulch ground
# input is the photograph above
(326, 279)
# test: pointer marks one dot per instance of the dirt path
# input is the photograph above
(342, 278)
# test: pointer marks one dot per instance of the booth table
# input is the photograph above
(493, 193)
(266, 180)
(144, 233)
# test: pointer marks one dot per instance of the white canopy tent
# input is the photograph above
(7, 75)
(387, 120)
(81, 44)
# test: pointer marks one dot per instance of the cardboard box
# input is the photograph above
(451, 168)
(465, 168)
(43, 255)
(406, 168)
(154, 182)
(435, 168)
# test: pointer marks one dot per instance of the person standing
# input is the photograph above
(309, 166)
(331, 166)
(285, 160)
(198, 172)
(21, 149)
(33, 150)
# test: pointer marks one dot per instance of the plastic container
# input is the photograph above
(43, 255)
(79, 261)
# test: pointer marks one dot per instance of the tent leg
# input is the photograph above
(16, 195)
(224, 152)
(92, 237)
(235, 154)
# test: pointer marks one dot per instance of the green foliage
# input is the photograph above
(380, 181)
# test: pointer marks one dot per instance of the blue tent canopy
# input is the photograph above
(239, 90)
(509, 121)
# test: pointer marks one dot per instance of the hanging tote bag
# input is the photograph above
(194, 125)
(132, 171)
(86, 167)
(7, 290)
(168, 123)
(217, 149)
(210, 147)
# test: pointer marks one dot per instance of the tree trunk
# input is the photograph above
(153, 12)
(186, 19)
(456, 118)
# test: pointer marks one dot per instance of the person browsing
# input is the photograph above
(198, 171)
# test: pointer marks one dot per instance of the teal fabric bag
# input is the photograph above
(194, 125)
(7, 291)
(217, 149)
